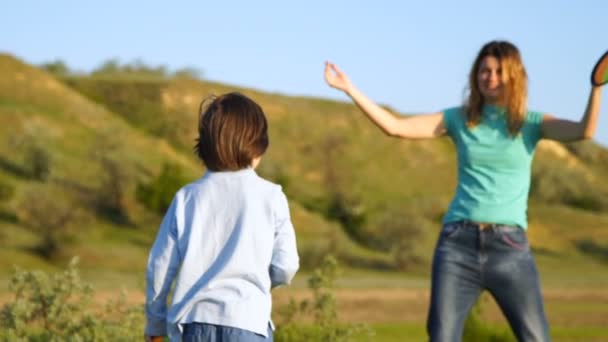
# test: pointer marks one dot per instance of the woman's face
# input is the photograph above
(489, 79)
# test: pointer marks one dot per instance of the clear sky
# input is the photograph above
(411, 55)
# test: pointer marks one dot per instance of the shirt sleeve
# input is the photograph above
(533, 127)
(450, 115)
(163, 263)
(285, 261)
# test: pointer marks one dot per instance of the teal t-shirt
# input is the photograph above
(494, 168)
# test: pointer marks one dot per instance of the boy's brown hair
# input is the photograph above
(232, 131)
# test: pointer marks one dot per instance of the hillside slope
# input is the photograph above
(375, 201)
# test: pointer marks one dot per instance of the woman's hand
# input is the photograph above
(336, 78)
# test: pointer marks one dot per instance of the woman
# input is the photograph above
(483, 244)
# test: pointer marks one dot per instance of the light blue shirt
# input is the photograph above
(494, 168)
(226, 240)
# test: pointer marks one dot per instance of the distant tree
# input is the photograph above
(57, 68)
(48, 214)
(139, 67)
(115, 176)
(342, 206)
(399, 230)
(110, 66)
(6, 190)
(158, 193)
(276, 172)
(37, 162)
(350, 214)
(188, 73)
(113, 67)
(112, 191)
(555, 183)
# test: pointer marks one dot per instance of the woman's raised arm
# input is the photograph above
(414, 127)
(567, 130)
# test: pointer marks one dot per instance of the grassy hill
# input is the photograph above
(87, 149)
(375, 201)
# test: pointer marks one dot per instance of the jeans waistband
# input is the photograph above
(496, 227)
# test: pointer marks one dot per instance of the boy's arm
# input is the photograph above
(285, 261)
(163, 264)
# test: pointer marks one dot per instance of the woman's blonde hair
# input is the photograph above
(515, 85)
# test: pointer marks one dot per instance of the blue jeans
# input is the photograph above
(469, 260)
(203, 332)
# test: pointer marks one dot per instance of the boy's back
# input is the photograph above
(222, 230)
(226, 240)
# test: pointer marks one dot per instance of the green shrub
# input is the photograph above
(58, 308)
(57, 68)
(110, 197)
(276, 173)
(553, 183)
(476, 330)
(321, 313)
(158, 193)
(136, 68)
(140, 102)
(398, 230)
(7, 190)
(49, 214)
(589, 152)
(37, 162)
(350, 214)
(313, 253)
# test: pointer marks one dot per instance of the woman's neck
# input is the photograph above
(494, 102)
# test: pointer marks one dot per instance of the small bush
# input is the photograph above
(398, 231)
(56, 68)
(312, 254)
(58, 308)
(325, 326)
(110, 198)
(43, 212)
(589, 152)
(158, 193)
(553, 183)
(7, 191)
(275, 172)
(350, 214)
(37, 162)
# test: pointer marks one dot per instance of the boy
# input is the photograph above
(226, 239)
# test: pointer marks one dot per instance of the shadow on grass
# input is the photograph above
(13, 168)
(141, 242)
(593, 249)
(8, 216)
(544, 251)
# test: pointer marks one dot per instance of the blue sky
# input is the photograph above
(411, 55)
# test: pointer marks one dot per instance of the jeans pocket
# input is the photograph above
(450, 230)
(515, 238)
